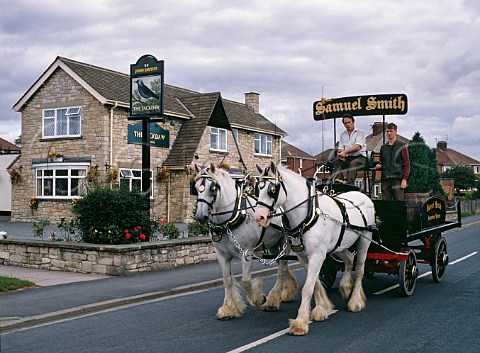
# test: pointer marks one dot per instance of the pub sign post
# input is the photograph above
(146, 100)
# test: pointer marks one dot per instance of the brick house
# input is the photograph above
(297, 160)
(448, 158)
(81, 110)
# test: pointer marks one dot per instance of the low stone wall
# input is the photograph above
(113, 260)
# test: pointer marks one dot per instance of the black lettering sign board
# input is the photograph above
(377, 104)
(146, 86)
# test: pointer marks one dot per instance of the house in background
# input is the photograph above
(297, 160)
(81, 111)
(448, 158)
(9, 153)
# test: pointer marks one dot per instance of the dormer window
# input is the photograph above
(218, 139)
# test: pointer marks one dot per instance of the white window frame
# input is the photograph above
(130, 175)
(46, 176)
(476, 169)
(263, 144)
(70, 113)
(359, 183)
(218, 139)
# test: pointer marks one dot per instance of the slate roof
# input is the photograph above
(289, 150)
(198, 109)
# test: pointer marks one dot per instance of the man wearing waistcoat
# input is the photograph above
(395, 165)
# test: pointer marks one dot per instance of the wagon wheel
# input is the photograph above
(440, 259)
(407, 274)
(328, 273)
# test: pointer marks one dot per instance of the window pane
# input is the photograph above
(48, 187)
(49, 127)
(214, 138)
(48, 172)
(61, 187)
(75, 187)
(136, 185)
(74, 125)
(73, 111)
(61, 122)
(223, 139)
(39, 187)
(61, 172)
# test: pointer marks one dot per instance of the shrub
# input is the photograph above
(106, 216)
(170, 230)
(196, 229)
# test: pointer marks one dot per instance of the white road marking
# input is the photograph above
(426, 273)
(265, 339)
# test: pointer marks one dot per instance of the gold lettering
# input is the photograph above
(319, 108)
(137, 133)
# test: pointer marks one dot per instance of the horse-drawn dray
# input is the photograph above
(327, 228)
(407, 234)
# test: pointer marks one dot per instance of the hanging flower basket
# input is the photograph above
(55, 156)
(112, 174)
(92, 174)
(15, 175)
(162, 174)
(33, 203)
(224, 165)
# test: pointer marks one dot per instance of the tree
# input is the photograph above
(424, 175)
(463, 177)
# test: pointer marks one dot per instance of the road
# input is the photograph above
(442, 317)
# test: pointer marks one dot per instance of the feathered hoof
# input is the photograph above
(297, 329)
(223, 314)
(355, 306)
(271, 308)
(319, 313)
(225, 318)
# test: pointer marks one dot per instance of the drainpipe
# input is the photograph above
(111, 133)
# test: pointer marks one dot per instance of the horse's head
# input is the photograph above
(270, 194)
(206, 188)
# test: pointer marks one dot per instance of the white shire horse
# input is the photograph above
(319, 225)
(226, 207)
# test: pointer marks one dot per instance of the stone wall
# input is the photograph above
(112, 260)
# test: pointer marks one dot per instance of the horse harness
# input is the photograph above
(238, 214)
(295, 235)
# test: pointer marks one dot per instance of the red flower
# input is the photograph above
(142, 236)
(164, 221)
(125, 231)
(127, 235)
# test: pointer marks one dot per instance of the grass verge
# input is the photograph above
(8, 284)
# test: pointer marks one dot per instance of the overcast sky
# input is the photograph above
(290, 52)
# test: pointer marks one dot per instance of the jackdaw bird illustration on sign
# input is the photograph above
(144, 91)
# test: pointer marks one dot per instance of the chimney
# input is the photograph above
(377, 128)
(442, 146)
(252, 101)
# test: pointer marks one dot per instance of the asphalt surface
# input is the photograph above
(60, 295)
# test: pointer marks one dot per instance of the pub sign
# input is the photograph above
(158, 136)
(146, 86)
(376, 104)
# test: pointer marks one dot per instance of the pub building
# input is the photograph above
(76, 133)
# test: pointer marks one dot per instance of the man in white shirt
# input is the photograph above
(352, 150)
